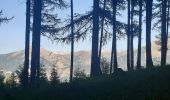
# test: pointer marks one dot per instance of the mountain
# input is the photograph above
(12, 61)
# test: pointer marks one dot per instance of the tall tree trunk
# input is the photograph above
(27, 44)
(167, 21)
(131, 37)
(72, 43)
(114, 49)
(139, 36)
(95, 68)
(128, 38)
(149, 62)
(102, 29)
(163, 35)
(35, 58)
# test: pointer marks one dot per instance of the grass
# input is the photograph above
(145, 84)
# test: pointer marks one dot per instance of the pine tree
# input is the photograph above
(20, 76)
(54, 78)
(42, 81)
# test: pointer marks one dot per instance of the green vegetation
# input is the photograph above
(144, 84)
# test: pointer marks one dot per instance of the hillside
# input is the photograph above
(11, 61)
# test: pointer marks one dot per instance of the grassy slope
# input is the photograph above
(150, 84)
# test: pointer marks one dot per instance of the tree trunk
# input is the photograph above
(27, 44)
(167, 21)
(95, 68)
(128, 38)
(102, 29)
(163, 35)
(131, 38)
(114, 49)
(35, 58)
(139, 36)
(149, 62)
(72, 43)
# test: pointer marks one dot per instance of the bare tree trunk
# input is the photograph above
(95, 68)
(167, 21)
(149, 62)
(114, 49)
(101, 37)
(72, 43)
(163, 35)
(131, 41)
(128, 38)
(27, 44)
(35, 61)
(139, 36)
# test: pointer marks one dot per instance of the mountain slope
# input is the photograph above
(11, 61)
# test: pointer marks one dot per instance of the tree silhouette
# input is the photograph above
(35, 58)
(162, 24)
(149, 4)
(83, 24)
(42, 81)
(95, 68)
(102, 31)
(27, 44)
(132, 35)
(139, 35)
(114, 46)
(128, 36)
(167, 19)
(72, 43)
(163, 33)
(54, 78)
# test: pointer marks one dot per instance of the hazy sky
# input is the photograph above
(12, 35)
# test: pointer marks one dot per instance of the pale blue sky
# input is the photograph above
(12, 35)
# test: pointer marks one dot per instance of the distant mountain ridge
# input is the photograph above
(12, 61)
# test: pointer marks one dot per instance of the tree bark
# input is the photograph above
(163, 35)
(95, 68)
(149, 62)
(27, 44)
(35, 58)
(114, 49)
(72, 43)
(102, 29)
(128, 38)
(139, 36)
(131, 37)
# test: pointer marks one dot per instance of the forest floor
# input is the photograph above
(145, 84)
